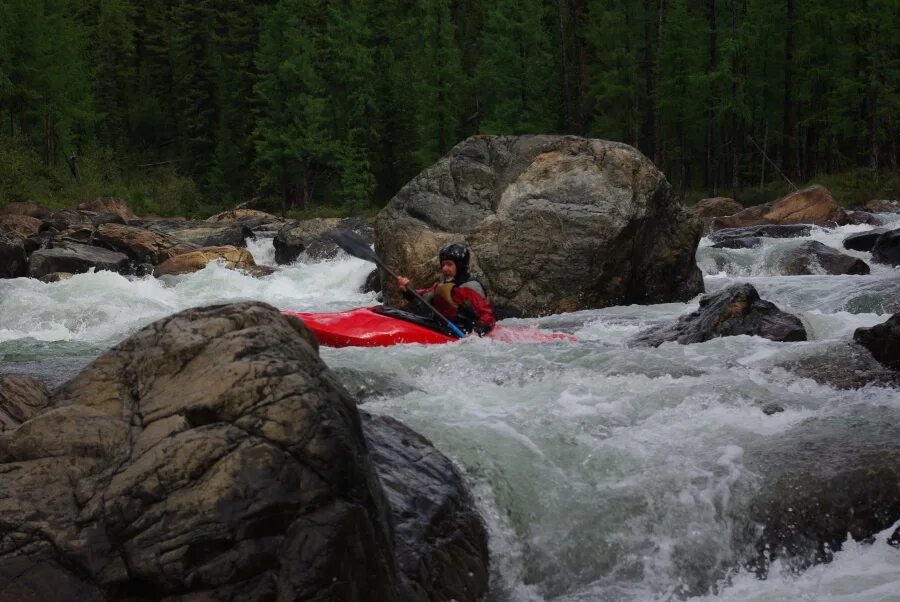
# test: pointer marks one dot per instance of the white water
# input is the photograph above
(603, 472)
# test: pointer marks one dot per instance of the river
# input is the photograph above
(603, 472)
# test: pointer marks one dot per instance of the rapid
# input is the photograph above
(603, 472)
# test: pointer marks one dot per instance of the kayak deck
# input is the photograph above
(383, 327)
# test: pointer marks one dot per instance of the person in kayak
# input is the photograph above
(457, 295)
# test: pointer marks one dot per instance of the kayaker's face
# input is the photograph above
(448, 269)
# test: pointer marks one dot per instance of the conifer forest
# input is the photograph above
(307, 103)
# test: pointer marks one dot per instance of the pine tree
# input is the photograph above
(515, 74)
(293, 150)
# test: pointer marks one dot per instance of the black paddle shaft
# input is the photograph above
(356, 245)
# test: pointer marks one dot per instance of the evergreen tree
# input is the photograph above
(293, 149)
(515, 74)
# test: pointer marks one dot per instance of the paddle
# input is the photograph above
(356, 245)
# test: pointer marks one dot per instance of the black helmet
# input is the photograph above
(457, 253)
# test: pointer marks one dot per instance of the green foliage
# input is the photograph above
(310, 104)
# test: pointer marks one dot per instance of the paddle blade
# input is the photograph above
(353, 244)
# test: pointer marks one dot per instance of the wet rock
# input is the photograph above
(732, 311)
(555, 224)
(21, 398)
(193, 261)
(373, 282)
(745, 242)
(13, 258)
(440, 540)
(76, 259)
(109, 205)
(311, 239)
(213, 456)
(844, 366)
(887, 248)
(813, 205)
(25, 208)
(863, 241)
(883, 341)
(772, 408)
(819, 485)
(765, 231)
(365, 386)
(139, 244)
(716, 207)
(813, 257)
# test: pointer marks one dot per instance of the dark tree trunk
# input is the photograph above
(564, 65)
(711, 163)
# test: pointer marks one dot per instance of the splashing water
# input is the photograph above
(603, 472)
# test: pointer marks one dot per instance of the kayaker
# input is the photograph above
(457, 295)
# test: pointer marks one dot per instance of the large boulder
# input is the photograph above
(883, 206)
(76, 259)
(732, 311)
(13, 257)
(109, 205)
(887, 248)
(144, 246)
(193, 261)
(21, 398)
(23, 208)
(67, 219)
(813, 205)
(22, 226)
(555, 223)
(213, 456)
(883, 341)
(820, 485)
(813, 257)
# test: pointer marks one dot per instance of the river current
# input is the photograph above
(603, 472)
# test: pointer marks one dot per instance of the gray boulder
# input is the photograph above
(732, 311)
(310, 238)
(883, 341)
(555, 223)
(213, 456)
(863, 241)
(813, 257)
(76, 259)
(206, 234)
(887, 248)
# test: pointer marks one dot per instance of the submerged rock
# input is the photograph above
(819, 485)
(846, 365)
(555, 224)
(213, 456)
(883, 341)
(813, 257)
(732, 311)
(771, 231)
(745, 242)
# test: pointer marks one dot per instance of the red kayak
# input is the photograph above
(382, 326)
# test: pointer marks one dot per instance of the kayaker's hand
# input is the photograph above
(403, 282)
